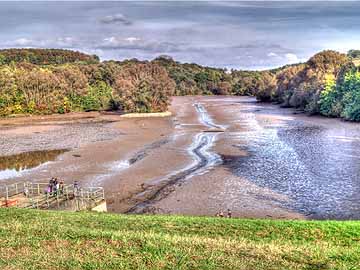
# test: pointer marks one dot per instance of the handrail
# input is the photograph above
(37, 196)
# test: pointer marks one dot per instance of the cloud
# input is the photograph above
(132, 43)
(59, 42)
(132, 39)
(292, 58)
(117, 18)
(221, 33)
(23, 42)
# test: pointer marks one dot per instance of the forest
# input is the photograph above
(46, 81)
(327, 84)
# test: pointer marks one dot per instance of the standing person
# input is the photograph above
(76, 188)
(54, 186)
(57, 186)
(26, 191)
(61, 187)
(51, 185)
(48, 189)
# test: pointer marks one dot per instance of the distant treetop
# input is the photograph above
(45, 56)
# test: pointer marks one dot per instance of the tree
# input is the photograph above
(354, 54)
(143, 88)
(329, 99)
(351, 99)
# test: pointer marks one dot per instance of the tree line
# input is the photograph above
(327, 84)
(45, 56)
(45, 81)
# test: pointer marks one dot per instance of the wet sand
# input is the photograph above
(213, 154)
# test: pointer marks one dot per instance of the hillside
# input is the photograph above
(45, 56)
(63, 240)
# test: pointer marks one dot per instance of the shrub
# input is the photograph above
(351, 99)
(329, 99)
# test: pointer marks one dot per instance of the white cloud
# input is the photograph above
(23, 42)
(58, 42)
(132, 39)
(292, 58)
(272, 54)
(132, 43)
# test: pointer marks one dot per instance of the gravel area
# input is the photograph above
(64, 136)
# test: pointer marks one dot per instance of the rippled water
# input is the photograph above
(316, 166)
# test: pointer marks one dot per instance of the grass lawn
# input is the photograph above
(31, 239)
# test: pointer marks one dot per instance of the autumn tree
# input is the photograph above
(143, 88)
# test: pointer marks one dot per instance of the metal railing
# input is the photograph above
(37, 195)
(7, 191)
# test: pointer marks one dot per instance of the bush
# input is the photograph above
(351, 99)
(329, 99)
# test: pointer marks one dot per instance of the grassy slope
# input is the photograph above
(32, 239)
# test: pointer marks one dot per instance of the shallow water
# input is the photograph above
(203, 160)
(314, 162)
(16, 165)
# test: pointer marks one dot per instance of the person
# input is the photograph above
(76, 188)
(51, 185)
(26, 191)
(61, 187)
(229, 214)
(56, 186)
(55, 183)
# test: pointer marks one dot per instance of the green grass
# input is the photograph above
(32, 239)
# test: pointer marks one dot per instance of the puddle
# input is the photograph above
(16, 165)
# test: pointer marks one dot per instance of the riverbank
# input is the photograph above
(62, 240)
(213, 154)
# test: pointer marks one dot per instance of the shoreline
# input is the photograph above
(150, 161)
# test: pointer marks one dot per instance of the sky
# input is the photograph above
(238, 35)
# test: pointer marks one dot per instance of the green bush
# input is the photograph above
(351, 99)
(329, 98)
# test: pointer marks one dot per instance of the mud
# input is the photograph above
(212, 154)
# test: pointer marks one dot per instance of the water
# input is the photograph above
(203, 161)
(17, 165)
(205, 118)
(315, 163)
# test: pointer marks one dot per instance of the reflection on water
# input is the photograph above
(308, 162)
(13, 166)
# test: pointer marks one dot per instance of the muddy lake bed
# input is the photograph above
(212, 154)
